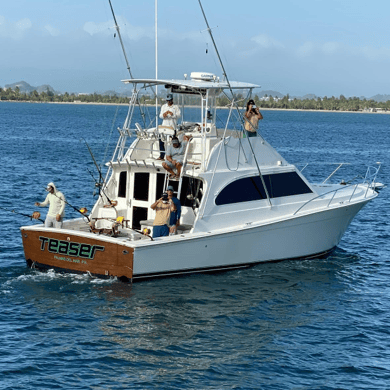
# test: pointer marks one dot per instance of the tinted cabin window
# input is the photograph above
(122, 185)
(241, 190)
(251, 188)
(141, 186)
(285, 184)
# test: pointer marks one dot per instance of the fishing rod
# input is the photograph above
(83, 211)
(97, 184)
(100, 183)
(35, 215)
(233, 101)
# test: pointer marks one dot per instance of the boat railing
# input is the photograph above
(368, 182)
(334, 191)
(371, 175)
(158, 151)
(339, 165)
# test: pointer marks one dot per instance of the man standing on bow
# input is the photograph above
(169, 114)
(56, 199)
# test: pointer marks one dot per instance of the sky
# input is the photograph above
(321, 47)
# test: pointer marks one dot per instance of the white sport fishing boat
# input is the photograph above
(242, 202)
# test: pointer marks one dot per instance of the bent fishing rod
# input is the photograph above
(25, 215)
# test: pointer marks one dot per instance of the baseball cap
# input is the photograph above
(169, 96)
(169, 188)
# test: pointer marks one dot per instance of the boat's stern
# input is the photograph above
(68, 251)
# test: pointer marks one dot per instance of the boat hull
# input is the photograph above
(300, 237)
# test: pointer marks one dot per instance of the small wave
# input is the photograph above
(52, 275)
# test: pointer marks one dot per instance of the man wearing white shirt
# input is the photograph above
(56, 200)
(169, 114)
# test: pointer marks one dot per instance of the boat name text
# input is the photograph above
(70, 248)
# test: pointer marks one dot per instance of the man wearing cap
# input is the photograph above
(56, 212)
(175, 156)
(174, 220)
(163, 207)
(169, 114)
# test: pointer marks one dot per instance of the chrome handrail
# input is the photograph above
(368, 181)
(329, 192)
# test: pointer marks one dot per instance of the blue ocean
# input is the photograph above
(314, 324)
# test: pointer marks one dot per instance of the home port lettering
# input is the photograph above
(70, 248)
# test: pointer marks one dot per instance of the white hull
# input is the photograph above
(298, 237)
(294, 237)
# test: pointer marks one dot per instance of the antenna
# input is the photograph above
(120, 39)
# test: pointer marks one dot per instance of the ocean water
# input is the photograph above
(314, 324)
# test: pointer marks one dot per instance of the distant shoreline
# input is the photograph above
(220, 108)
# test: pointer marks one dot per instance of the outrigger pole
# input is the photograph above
(156, 56)
(120, 39)
(231, 91)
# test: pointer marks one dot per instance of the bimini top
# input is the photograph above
(193, 84)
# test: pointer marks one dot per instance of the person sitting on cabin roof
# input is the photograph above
(174, 220)
(163, 208)
(169, 114)
(56, 212)
(175, 156)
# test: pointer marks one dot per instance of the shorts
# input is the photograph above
(170, 165)
(160, 231)
(251, 134)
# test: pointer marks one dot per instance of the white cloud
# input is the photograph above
(52, 31)
(23, 24)
(330, 47)
(138, 32)
(306, 49)
(126, 29)
(266, 41)
(14, 30)
(93, 28)
(373, 53)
